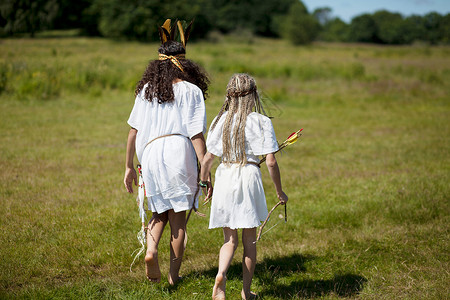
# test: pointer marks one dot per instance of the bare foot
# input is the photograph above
(152, 267)
(173, 280)
(219, 288)
(251, 296)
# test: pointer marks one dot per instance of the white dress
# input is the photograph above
(169, 164)
(238, 199)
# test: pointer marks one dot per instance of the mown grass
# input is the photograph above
(368, 183)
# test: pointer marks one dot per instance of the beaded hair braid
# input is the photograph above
(242, 97)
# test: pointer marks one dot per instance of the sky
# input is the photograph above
(347, 9)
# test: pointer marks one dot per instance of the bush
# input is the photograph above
(298, 26)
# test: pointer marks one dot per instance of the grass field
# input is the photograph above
(369, 209)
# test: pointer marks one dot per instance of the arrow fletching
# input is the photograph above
(293, 137)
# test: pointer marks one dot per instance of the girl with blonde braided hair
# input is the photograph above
(239, 134)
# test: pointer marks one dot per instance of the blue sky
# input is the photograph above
(347, 9)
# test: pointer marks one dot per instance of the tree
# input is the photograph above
(323, 15)
(414, 29)
(264, 15)
(257, 16)
(70, 14)
(444, 29)
(125, 19)
(432, 21)
(27, 16)
(136, 19)
(335, 30)
(363, 29)
(389, 27)
(298, 26)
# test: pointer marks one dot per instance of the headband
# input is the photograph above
(174, 59)
(242, 93)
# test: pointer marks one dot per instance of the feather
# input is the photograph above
(187, 32)
(166, 25)
(180, 29)
(164, 31)
(166, 34)
(141, 196)
(141, 239)
(141, 234)
(162, 36)
(291, 135)
(173, 31)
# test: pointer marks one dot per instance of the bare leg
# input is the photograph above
(248, 261)
(225, 257)
(154, 233)
(177, 223)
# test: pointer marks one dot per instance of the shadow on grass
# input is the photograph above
(269, 272)
(346, 285)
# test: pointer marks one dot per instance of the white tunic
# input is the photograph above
(169, 164)
(238, 199)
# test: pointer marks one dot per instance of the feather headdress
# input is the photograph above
(167, 32)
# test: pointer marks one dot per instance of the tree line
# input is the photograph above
(289, 19)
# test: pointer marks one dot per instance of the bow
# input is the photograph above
(267, 219)
(289, 141)
(141, 235)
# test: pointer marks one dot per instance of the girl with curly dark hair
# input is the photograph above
(167, 122)
(160, 74)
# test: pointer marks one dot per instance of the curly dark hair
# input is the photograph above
(160, 75)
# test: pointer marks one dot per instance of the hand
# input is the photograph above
(282, 197)
(208, 192)
(130, 176)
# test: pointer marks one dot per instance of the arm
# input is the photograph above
(198, 141)
(205, 172)
(274, 172)
(130, 172)
(207, 162)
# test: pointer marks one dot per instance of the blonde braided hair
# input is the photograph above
(241, 99)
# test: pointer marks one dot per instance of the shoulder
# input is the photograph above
(220, 121)
(186, 86)
(141, 95)
(259, 124)
(258, 118)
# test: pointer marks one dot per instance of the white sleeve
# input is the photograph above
(195, 121)
(214, 139)
(137, 113)
(261, 135)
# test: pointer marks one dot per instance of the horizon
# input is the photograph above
(348, 9)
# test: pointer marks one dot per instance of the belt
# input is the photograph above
(162, 136)
(247, 163)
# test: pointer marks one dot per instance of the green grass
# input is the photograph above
(368, 184)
